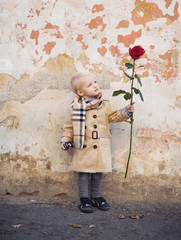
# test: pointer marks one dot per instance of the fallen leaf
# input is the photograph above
(136, 216)
(59, 197)
(125, 210)
(121, 217)
(17, 226)
(74, 225)
(92, 226)
(45, 233)
(148, 213)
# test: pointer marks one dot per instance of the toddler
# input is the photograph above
(87, 132)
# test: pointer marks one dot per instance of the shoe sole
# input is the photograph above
(100, 208)
(85, 210)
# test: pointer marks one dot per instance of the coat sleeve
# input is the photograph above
(68, 129)
(116, 116)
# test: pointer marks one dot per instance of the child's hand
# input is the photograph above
(130, 107)
(67, 146)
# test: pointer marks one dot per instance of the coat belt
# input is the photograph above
(97, 134)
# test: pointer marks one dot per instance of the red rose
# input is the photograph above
(136, 52)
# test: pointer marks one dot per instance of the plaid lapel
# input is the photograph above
(78, 119)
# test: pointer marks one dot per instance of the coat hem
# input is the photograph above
(92, 171)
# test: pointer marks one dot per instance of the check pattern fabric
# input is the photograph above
(79, 117)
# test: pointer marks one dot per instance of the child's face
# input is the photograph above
(88, 87)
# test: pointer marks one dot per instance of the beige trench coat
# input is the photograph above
(96, 154)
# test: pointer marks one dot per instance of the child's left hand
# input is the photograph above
(130, 107)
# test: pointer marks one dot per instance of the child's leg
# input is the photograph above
(96, 185)
(97, 200)
(84, 185)
(85, 205)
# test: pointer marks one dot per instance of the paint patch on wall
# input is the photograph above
(102, 51)
(96, 23)
(154, 134)
(130, 38)
(115, 51)
(169, 64)
(35, 35)
(55, 30)
(80, 39)
(97, 8)
(123, 24)
(48, 47)
(61, 62)
(147, 12)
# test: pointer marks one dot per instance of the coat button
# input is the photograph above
(84, 146)
(95, 146)
(95, 126)
(94, 116)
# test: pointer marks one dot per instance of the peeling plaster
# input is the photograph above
(51, 35)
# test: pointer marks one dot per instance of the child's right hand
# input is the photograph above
(67, 146)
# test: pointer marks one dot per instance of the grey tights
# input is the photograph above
(89, 185)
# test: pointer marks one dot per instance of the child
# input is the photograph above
(88, 129)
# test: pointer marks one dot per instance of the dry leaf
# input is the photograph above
(45, 233)
(148, 213)
(74, 225)
(17, 226)
(125, 210)
(59, 197)
(121, 217)
(136, 216)
(92, 226)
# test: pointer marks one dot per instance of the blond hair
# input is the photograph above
(75, 79)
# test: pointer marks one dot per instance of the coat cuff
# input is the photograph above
(128, 113)
(122, 114)
(66, 139)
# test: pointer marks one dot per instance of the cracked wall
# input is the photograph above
(43, 43)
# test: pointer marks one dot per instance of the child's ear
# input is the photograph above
(80, 93)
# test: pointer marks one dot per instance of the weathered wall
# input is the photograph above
(42, 44)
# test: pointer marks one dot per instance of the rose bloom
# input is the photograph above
(136, 52)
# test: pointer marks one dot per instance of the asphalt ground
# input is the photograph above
(32, 218)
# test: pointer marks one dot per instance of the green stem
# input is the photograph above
(131, 129)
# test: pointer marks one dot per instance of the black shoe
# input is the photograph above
(100, 203)
(85, 205)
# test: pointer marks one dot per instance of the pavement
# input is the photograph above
(33, 218)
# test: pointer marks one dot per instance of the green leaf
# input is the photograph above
(116, 93)
(129, 65)
(141, 96)
(138, 79)
(127, 96)
(128, 75)
(137, 91)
